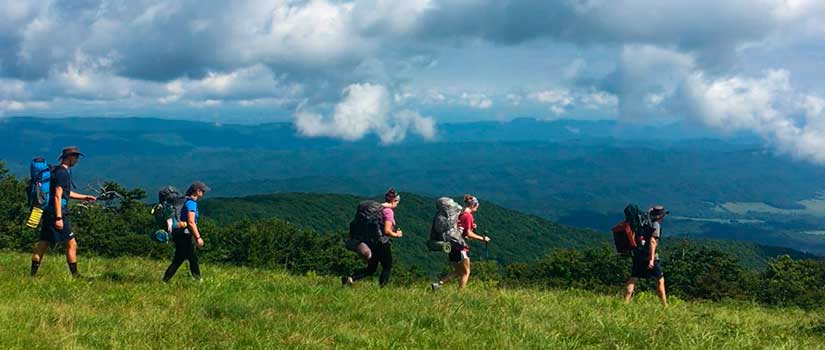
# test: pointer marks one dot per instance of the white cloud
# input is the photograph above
(365, 108)
(557, 100)
(767, 106)
(476, 100)
(646, 76)
(599, 100)
(16, 106)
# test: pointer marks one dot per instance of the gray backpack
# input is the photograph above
(444, 233)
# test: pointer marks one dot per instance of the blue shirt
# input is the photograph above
(189, 206)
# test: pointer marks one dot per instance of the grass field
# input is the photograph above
(121, 304)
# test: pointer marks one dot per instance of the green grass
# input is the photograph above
(123, 305)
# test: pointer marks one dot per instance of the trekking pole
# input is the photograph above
(486, 245)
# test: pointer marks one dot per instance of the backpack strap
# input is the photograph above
(71, 180)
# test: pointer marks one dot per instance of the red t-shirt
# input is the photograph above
(465, 222)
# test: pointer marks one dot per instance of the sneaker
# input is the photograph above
(436, 286)
(346, 280)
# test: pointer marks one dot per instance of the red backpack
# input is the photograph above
(624, 238)
(628, 234)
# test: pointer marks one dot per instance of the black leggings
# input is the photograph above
(381, 253)
(184, 250)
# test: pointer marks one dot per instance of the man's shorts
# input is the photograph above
(640, 268)
(48, 233)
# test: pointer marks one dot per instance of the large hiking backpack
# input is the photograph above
(37, 191)
(633, 231)
(444, 232)
(366, 226)
(167, 212)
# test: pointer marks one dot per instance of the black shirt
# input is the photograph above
(60, 177)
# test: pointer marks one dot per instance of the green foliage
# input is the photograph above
(793, 282)
(705, 273)
(593, 268)
(276, 243)
(13, 211)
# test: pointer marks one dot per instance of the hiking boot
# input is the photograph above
(346, 280)
(436, 286)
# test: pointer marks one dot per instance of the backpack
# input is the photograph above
(367, 224)
(167, 212)
(444, 233)
(630, 234)
(37, 191)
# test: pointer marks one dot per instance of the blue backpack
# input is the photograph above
(39, 183)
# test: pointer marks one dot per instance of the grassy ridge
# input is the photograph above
(122, 305)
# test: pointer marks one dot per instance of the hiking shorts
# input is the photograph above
(48, 233)
(459, 253)
(640, 268)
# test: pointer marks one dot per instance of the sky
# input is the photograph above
(386, 69)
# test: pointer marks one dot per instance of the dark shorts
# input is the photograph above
(459, 253)
(48, 233)
(640, 268)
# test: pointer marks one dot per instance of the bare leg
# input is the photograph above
(364, 251)
(71, 251)
(456, 272)
(628, 289)
(37, 257)
(40, 250)
(71, 256)
(465, 273)
(660, 290)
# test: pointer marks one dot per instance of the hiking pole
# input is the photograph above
(486, 245)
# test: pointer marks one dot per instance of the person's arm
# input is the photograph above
(58, 208)
(654, 242)
(472, 235)
(78, 196)
(193, 228)
(389, 232)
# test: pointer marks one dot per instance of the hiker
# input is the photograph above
(184, 247)
(379, 249)
(459, 254)
(55, 227)
(646, 257)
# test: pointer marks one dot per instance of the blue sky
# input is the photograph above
(349, 69)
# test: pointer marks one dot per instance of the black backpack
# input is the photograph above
(640, 223)
(170, 203)
(367, 224)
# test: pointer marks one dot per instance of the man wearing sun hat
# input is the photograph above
(55, 227)
(646, 256)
